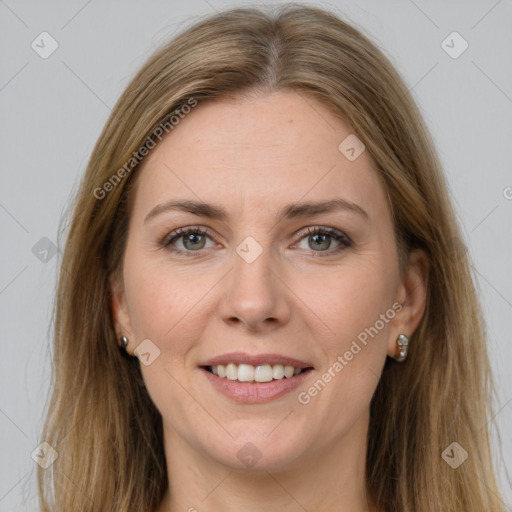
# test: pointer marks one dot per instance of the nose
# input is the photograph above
(254, 294)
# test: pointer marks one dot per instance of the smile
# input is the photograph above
(255, 383)
(255, 378)
(250, 373)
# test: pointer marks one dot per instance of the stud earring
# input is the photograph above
(124, 342)
(403, 342)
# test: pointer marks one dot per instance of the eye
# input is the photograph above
(193, 239)
(320, 240)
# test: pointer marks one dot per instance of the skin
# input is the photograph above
(253, 157)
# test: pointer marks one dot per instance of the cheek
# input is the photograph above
(162, 302)
(352, 303)
(162, 305)
(357, 307)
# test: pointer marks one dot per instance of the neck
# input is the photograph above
(331, 479)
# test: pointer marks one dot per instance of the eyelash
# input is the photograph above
(340, 237)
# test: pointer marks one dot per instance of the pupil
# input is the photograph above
(321, 237)
(192, 238)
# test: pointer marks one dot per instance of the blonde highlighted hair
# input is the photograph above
(101, 420)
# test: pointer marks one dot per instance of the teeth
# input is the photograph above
(262, 373)
(245, 373)
(278, 371)
(288, 371)
(232, 371)
(249, 373)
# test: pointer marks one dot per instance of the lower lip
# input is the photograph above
(255, 392)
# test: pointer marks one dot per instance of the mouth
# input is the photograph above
(255, 379)
(248, 373)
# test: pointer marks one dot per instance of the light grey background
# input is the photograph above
(52, 111)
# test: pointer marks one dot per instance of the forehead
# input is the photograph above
(260, 152)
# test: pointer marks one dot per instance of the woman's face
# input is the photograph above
(261, 290)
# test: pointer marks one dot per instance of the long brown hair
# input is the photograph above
(101, 420)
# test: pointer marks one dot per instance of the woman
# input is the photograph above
(206, 358)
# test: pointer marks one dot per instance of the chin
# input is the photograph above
(258, 453)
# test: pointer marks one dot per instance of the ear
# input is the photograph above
(412, 295)
(120, 315)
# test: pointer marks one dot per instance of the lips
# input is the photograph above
(255, 360)
(255, 378)
(249, 373)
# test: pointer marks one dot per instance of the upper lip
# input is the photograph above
(256, 359)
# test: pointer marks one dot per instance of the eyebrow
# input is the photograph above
(290, 211)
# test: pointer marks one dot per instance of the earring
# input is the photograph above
(403, 342)
(124, 342)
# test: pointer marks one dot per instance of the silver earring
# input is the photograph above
(124, 342)
(403, 342)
